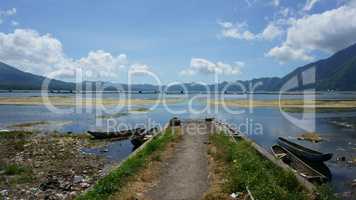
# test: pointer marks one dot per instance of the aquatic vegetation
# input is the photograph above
(116, 115)
(140, 109)
(293, 105)
(117, 179)
(29, 124)
(312, 137)
(122, 114)
(317, 110)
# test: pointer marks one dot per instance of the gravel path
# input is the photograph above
(185, 176)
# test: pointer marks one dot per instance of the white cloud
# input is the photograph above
(14, 23)
(310, 4)
(138, 69)
(43, 54)
(329, 31)
(285, 53)
(276, 2)
(6, 13)
(271, 31)
(204, 66)
(236, 31)
(239, 31)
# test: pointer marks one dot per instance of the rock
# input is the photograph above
(353, 183)
(78, 179)
(234, 195)
(84, 185)
(72, 195)
(4, 193)
(61, 196)
(50, 184)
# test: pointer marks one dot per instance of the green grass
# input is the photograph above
(15, 139)
(14, 135)
(114, 181)
(14, 169)
(17, 174)
(246, 168)
(326, 192)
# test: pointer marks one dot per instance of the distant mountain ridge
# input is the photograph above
(334, 73)
(14, 79)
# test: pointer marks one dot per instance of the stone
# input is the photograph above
(4, 193)
(84, 185)
(78, 179)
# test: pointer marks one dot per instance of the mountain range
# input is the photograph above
(334, 73)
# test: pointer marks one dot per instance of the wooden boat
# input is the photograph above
(209, 119)
(303, 152)
(298, 165)
(138, 139)
(120, 135)
(174, 122)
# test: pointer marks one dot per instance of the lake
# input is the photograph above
(338, 138)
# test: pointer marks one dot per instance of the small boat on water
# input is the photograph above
(138, 139)
(304, 169)
(119, 135)
(303, 152)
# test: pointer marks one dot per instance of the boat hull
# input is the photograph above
(303, 168)
(303, 152)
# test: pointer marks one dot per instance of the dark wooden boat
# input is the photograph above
(304, 169)
(119, 135)
(174, 122)
(303, 152)
(138, 139)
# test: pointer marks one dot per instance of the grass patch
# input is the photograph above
(14, 135)
(16, 140)
(326, 192)
(246, 168)
(14, 169)
(113, 182)
(17, 174)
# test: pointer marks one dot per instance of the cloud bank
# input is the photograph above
(206, 67)
(329, 31)
(43, 54)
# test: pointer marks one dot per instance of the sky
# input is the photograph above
(165, 41)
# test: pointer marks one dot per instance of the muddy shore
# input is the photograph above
(35, 166)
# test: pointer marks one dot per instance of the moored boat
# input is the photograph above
(304, 169)
(138, 139)
(303, 152)
(119, 135)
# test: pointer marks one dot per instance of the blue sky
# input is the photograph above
(177, 40)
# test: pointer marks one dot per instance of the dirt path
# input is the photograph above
(185, 176)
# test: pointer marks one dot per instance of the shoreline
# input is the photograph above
(71, 101)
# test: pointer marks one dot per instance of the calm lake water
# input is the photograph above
(339, 139)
